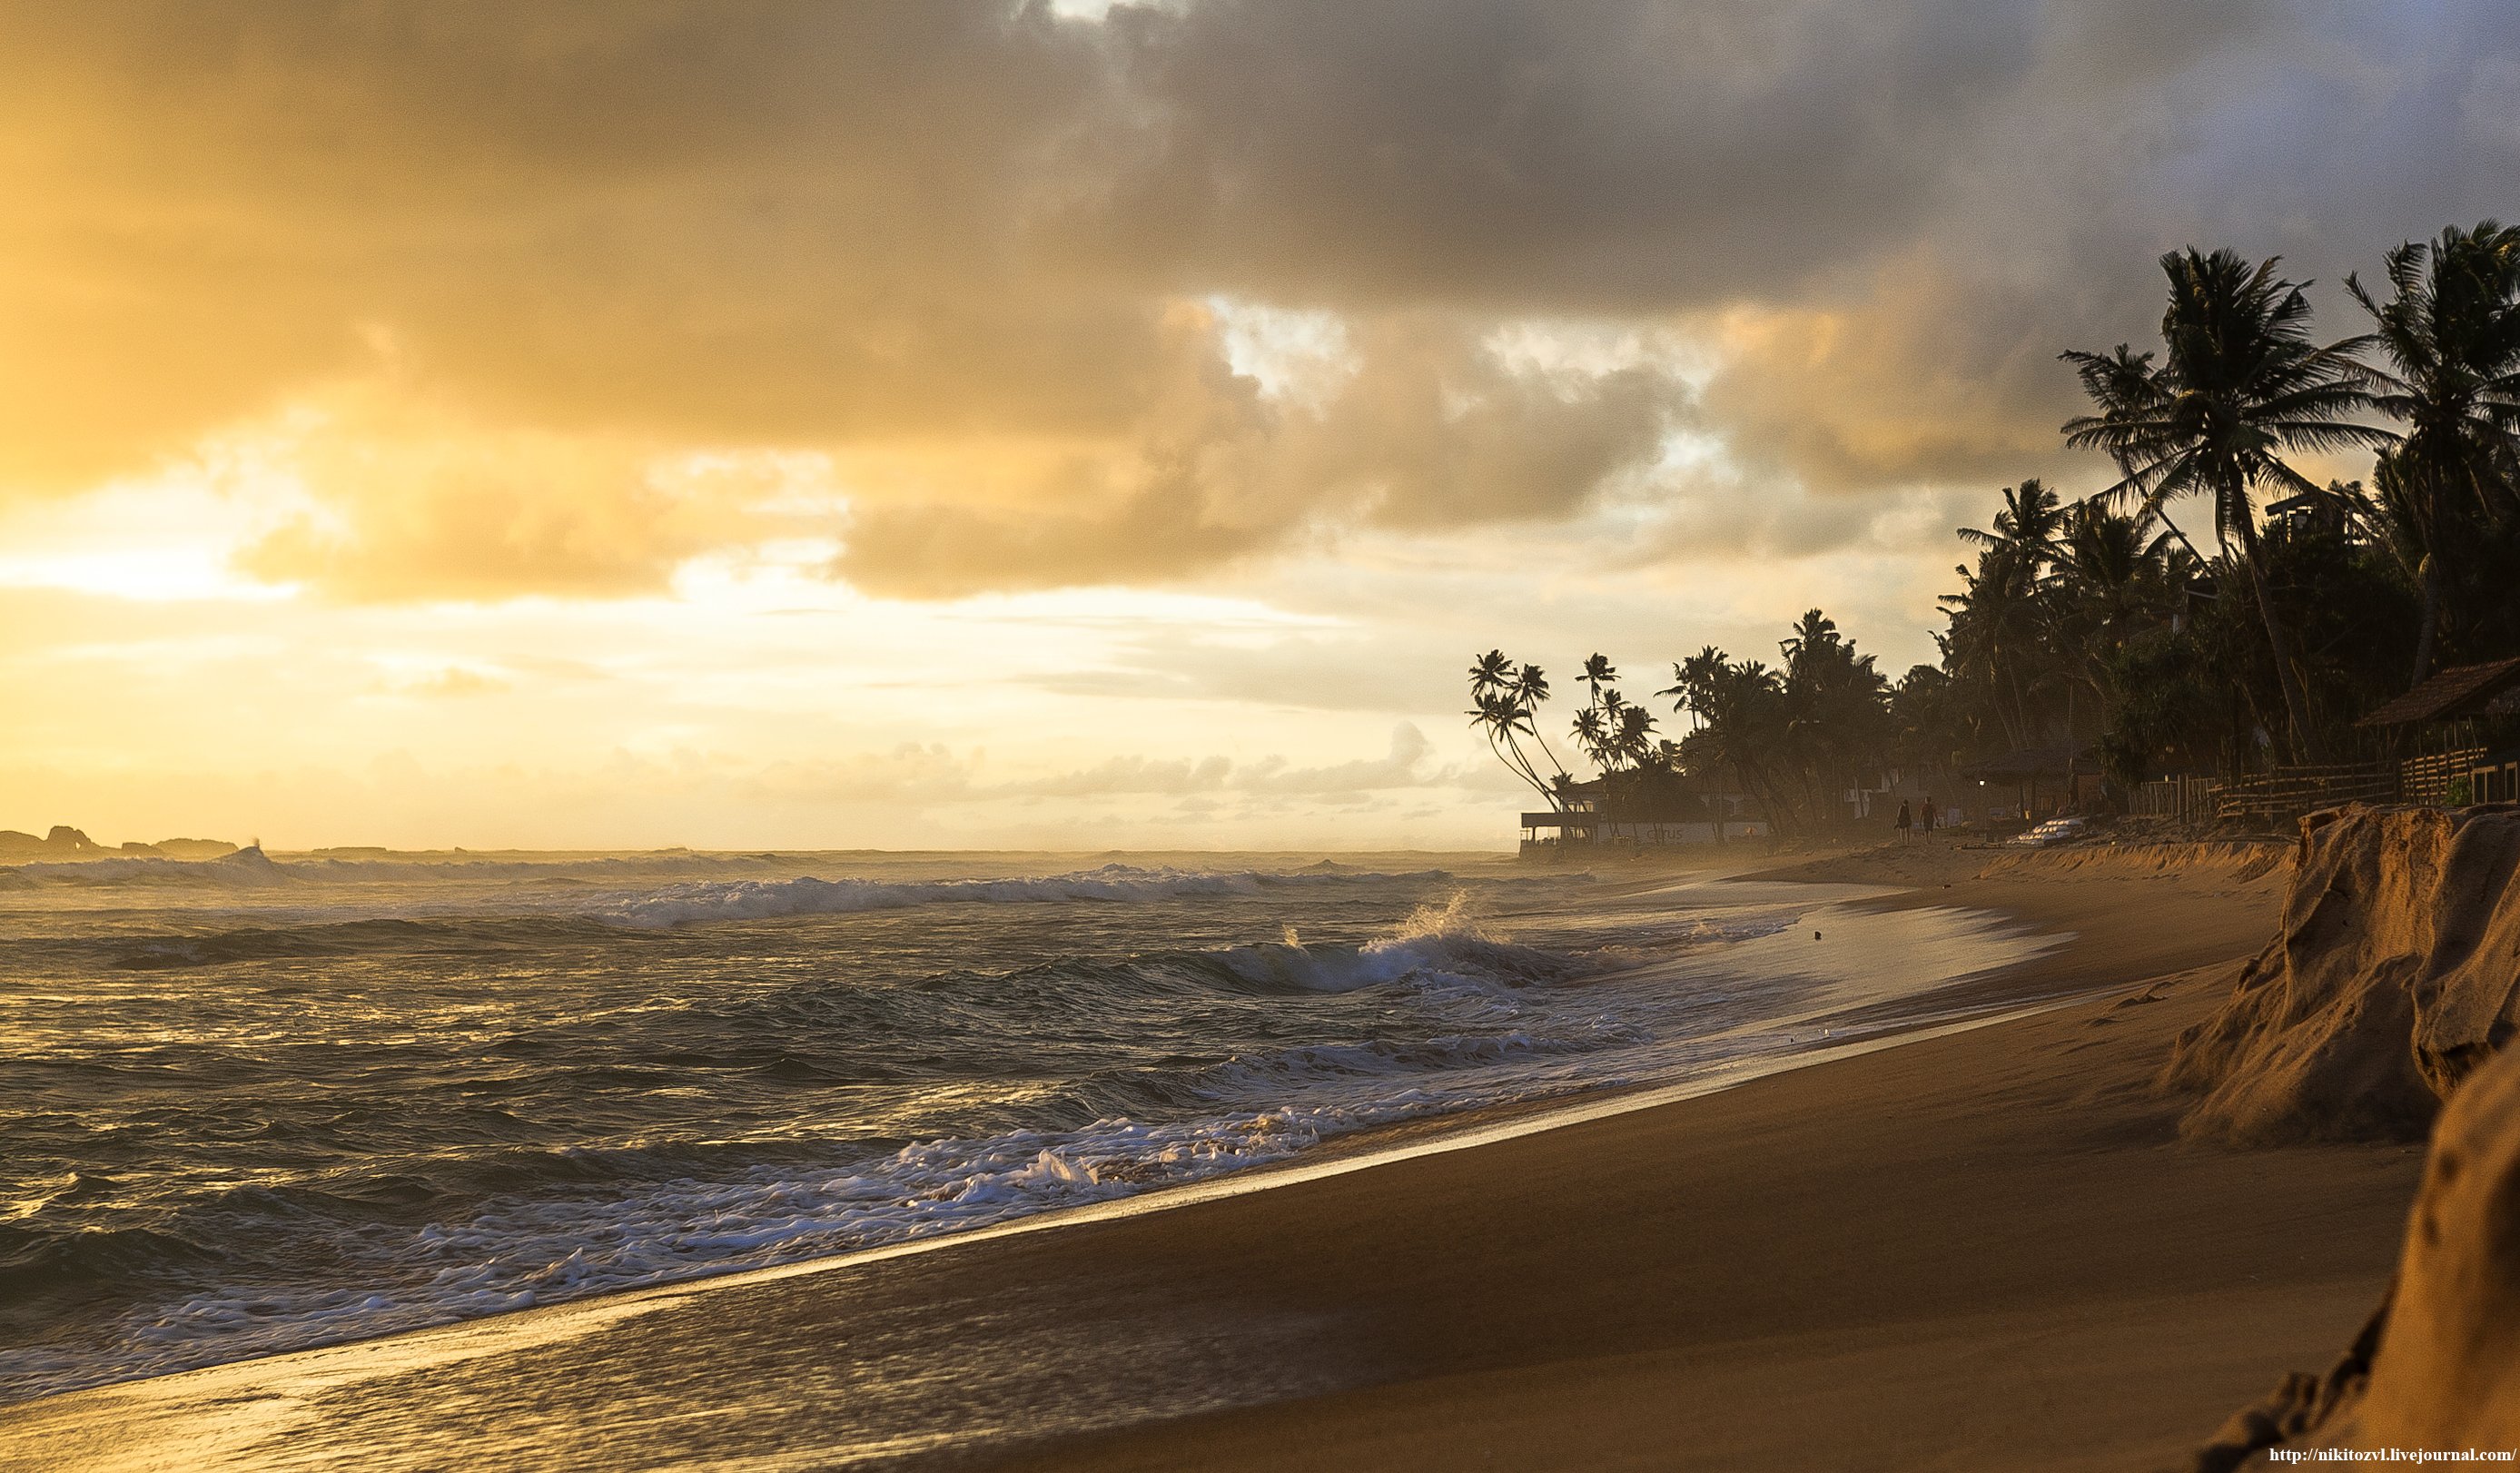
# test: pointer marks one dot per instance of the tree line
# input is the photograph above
(2213, 609)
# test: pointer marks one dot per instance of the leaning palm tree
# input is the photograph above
(1504, 699)
(2239, 386)
(1531, 690)
(2452, 334)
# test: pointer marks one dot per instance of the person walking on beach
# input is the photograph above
(1903, 821)
(1927, 815)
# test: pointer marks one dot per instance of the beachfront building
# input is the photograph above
(2032, 783)
(1594, 816)
(2460, 733)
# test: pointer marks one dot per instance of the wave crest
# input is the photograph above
(805, 895)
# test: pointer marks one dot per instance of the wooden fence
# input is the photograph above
(2441, 778)
(2173, 799)
(2287, 792)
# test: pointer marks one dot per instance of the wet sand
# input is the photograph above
(1985, 1250)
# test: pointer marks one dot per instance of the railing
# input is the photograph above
(2441, 779)
(2287, 792)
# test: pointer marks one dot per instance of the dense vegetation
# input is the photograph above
(2213, 609)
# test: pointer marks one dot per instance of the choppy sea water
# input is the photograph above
(249, 1105)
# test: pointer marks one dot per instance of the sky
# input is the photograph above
(1065, 425)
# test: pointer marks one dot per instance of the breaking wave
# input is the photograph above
(254, 1106)
(414, 1178)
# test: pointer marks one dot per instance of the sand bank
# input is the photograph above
(1983, 1250)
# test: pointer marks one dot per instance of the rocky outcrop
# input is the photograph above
(63, 842)
(2396, 974)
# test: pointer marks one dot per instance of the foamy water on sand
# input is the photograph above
(254, 1104)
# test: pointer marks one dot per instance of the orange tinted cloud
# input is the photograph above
(970, 235)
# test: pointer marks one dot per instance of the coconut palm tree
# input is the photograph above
(2451, 332)
(2240, 385)
(1598, 673)
(1531, 690)
(1693, 678)
(1504, 701)
(2027, 525)
(2113, 571)
(2000, 645)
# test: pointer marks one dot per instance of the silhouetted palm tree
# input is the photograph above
(1531, 691)
(2452, 334)
(1597, 674)
(2241, 385)
(1504, 700)
(2027, 527)
(1998, 644)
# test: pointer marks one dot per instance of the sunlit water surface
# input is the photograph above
(252, 1104)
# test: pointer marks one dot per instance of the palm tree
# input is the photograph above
(1591, 736)
(2000, 641)
(1633, 740)
(2113, 569)
(2026, 527)
(1743, 721)
(2116, 574)
(1503, 699)
(2452, 332)
(1531, 690)
(2241, 385)
(1598, 673)
(1693, 677)
(1794, 735)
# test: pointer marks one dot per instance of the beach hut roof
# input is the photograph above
(2461, 691)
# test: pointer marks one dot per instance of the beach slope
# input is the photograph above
(1983, 1250)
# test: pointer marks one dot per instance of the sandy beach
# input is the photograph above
(1983, 1250)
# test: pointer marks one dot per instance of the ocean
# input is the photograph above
(261, 1103)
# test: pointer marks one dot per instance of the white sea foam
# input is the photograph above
(1446, 943)
(1446, 1010)
(551, 1250)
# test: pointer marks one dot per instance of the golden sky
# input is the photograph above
(960, 424)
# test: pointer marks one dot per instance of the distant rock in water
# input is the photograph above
(65, 842)
(61, 843)
(2439, 1365)
(2395, 975)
